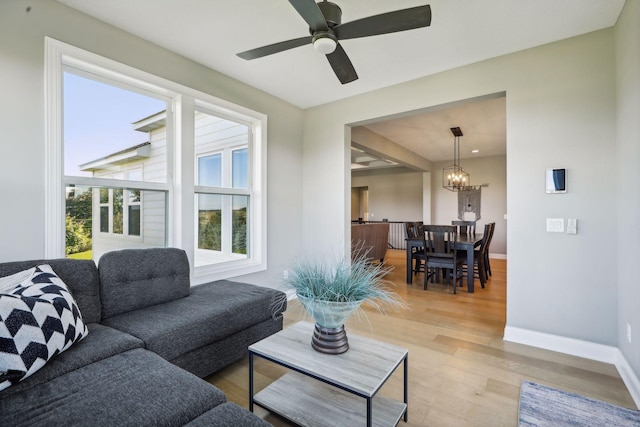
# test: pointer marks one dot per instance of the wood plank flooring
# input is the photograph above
(461, 372)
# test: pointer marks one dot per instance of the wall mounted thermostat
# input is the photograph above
(556, 180)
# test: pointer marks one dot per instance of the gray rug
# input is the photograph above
(546, 406)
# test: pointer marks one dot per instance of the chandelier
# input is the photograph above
(454, 177)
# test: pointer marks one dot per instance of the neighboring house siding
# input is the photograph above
(155, 167)
(212, 134)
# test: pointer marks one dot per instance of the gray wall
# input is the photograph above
(561, 111)
(394, 196)
(22, 172)
(627, 48)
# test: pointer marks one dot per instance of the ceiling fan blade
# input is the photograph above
(390, 22)
(274, 48)
(342, 65)
(311, 13)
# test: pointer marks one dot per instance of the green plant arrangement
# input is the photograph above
(332, 291)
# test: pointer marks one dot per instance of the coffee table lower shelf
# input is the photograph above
(309, 402)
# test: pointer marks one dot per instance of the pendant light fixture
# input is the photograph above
(454, 177)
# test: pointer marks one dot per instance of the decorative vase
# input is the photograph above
(329, 335)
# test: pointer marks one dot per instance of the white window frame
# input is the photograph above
(180, 158)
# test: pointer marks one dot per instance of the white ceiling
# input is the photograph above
(461, 32)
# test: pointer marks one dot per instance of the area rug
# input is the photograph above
(546, 406)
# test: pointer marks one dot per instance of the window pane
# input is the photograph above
(210, 170)
(104, 195)
(134, 196)
(78, 222)
(209, 221)
(99, 139)
(104, 219)
(239, 225)
(220, 137)
(117, 211)
(134, 220)
(239, 168)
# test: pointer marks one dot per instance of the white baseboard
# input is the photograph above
(629, 377)
(580, 348)
(291, 294)
(498, 256)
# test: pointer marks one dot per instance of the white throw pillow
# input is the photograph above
(9, 283)
(38, 320)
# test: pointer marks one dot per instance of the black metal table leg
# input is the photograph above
(406, 387)
(251, 381)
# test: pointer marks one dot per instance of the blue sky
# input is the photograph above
(97, 120)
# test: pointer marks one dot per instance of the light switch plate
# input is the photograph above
(572, 226)
(555, 225)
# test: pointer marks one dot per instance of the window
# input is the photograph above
(221, 188)
(144, 161)
(120, 208)
(108, 137)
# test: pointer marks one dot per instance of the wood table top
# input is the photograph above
(363, 369)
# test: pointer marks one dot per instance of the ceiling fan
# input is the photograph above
(326, 30)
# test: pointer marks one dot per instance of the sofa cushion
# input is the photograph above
(211, 312)
(81, 276)
(131, 279)
(228, 415)
(38, 320)
(134, 388)
(101, 343)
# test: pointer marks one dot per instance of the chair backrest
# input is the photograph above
(486, 237)
(465, 227)
(491, 230)
(369, 241)
(412, 229)
(440, 240)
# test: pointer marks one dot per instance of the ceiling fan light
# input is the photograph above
(324, 45)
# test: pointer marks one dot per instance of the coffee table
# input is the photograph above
(328, 390)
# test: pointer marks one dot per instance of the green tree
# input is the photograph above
(77, 238)
(79, 207)
(239, 231)
(210, 230)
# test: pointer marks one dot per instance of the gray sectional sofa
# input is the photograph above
(151, 338)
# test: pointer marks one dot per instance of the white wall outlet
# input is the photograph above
(285, 274)
(555, 225)
(572, 226)
(629, 333)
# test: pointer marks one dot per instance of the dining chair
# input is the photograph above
(480, 256)
(465, 227)
(413, 230)
(441, 253)
(487, 264)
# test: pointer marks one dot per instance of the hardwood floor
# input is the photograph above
(461, 372)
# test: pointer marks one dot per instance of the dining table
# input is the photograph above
(466, 242)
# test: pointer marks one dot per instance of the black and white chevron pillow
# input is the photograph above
(38, 320)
